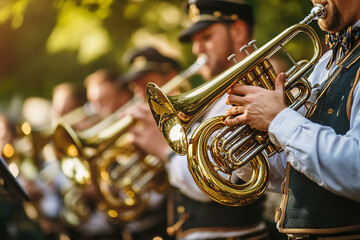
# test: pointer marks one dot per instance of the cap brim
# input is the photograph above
(132, 75)
(186, 35)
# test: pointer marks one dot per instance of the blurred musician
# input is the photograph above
(148, 64)
(14, 223)
(63, 207)
(69, 104)
(106, 91)
(103, 94)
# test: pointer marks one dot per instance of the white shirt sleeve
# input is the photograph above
(329, 159)
(179, 173)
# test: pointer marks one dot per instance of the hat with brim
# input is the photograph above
(137, 71)
(147, 60)
(203, 13)
(186, 35)
(133, 74)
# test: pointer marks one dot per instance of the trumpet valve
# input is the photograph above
(232, 57)
(252, 44)
(244, 49)
(260, 138)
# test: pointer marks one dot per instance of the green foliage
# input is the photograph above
(44, 43)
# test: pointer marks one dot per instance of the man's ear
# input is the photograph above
(240, 32)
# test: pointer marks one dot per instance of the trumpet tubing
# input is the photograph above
(216, 151)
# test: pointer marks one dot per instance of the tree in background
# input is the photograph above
(44, 43)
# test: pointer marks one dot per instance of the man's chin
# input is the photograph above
(208, 74)
(205, 73)
(324, 26)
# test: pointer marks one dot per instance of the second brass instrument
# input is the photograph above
(122, 175)
(232, 147)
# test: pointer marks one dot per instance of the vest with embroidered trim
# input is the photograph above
(188, 215)
(306, 207)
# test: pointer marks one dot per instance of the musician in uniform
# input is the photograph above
(321, 194)
(147, 64)
(218, 29)
(106, 91)
(70, 106)
(14, 222)
(66, 98)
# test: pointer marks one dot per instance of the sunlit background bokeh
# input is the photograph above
(46, 42)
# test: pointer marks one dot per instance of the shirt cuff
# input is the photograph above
(284, 125)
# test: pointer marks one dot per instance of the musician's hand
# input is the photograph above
(255, 106)
(145, 134)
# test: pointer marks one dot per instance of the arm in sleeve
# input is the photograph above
(179, 173)
(329, 159)
(277, 171)
(180, 177)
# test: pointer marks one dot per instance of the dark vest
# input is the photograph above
(307, 207)
(188, 215)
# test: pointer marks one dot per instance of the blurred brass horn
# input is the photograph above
(122, 174)
(232, 148)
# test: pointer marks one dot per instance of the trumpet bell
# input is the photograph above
(174, 115)
(70, 152)
(167, 118)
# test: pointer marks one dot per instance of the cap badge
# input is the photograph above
(139, 62)
(194, 13)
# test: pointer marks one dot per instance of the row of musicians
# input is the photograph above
(180, 211)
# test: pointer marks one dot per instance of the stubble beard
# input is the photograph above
(331, 23)
(209, 72)
(221, 66)
(222, 63)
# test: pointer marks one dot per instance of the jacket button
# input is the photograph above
(180, 209)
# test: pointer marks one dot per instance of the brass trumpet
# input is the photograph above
(122, 175)
(232, 147)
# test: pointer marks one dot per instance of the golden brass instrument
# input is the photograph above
(30, 153)
(76, 208)
(101, 154)
(41, 135)
(232, 147)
